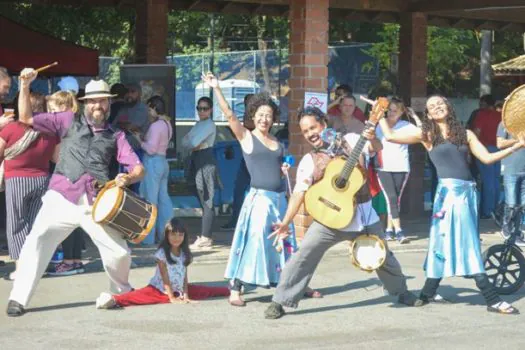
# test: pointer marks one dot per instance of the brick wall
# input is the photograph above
(413, 84)
(309, 72)
(151, 31)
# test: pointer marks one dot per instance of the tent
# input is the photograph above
(23, 47)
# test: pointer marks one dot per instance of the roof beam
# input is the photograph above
(462, 5)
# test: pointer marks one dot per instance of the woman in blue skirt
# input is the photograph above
(454, 246)
(253, 258)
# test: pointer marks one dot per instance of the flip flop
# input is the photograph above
(510, 310)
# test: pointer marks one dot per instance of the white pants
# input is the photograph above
(55, 221)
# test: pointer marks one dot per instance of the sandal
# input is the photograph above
(503, 308)
(313, 294)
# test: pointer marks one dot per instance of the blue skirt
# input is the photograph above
(454, 247)
(253, 260)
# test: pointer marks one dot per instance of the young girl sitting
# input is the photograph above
(170, 282)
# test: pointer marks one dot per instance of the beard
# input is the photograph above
(98, 117)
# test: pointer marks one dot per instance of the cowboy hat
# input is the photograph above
(96, 89)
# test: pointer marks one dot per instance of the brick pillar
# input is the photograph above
(309, 72)
(413, 86)
(151, 31)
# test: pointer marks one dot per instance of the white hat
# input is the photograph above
(68, 84)
(97, 89)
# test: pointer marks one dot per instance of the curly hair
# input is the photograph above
(457, 134)
(259, 100)
(312, 112)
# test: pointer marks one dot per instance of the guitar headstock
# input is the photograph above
(378, 110)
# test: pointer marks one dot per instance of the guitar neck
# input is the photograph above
(353, 158)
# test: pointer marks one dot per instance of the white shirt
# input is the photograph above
(365, 215)
(202, 135)
(394, 156)
(176, 272)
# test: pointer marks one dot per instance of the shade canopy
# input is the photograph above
(23, 47)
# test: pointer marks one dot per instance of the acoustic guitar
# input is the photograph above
(331, 201)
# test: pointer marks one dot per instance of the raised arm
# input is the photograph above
(25, 113)
(406, 136)
(238, 129)
(480, 152)
(412, 114)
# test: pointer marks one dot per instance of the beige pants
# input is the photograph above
(54, 222)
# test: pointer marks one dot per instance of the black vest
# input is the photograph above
(83, 151)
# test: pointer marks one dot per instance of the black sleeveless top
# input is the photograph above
(264, 166)
(451, 161)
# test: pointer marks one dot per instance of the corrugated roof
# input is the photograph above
(515, 66)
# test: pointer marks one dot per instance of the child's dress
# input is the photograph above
(154, 292)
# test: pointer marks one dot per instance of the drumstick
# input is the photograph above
(46, 67)
(367, 100)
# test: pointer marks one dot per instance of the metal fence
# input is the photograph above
(247, 72)
(254, 71)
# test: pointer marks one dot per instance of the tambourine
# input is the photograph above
(513, 114)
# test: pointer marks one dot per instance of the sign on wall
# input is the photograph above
(316, 99)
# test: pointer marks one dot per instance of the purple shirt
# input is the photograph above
(157, 138)
(58, 124)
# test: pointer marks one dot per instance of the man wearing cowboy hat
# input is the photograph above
(87, 146)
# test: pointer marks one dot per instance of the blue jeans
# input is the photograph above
(514, 189)
(154, 188)
(490, 187)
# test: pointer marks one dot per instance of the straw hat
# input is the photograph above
(97, 89)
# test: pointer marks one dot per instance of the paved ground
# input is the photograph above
(353, 314)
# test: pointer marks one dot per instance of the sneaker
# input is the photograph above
(400, 237)
(64, 269)
(15, 309)
(79, 267)
(389, 236)
(202, 243)
(105, 301)
(274, 311)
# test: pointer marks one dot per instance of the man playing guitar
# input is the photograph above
(319, 238)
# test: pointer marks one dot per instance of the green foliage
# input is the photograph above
(448, 57)
(453, 54)
(104, 28)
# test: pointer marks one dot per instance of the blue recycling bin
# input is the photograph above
(228, 155)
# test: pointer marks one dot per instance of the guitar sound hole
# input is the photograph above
(340, 183)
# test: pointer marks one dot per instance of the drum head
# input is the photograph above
(368, 252)
(107, 204)
(513, 114)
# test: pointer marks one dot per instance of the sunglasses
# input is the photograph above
(203, 109)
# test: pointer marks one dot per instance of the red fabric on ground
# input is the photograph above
(150, 295)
